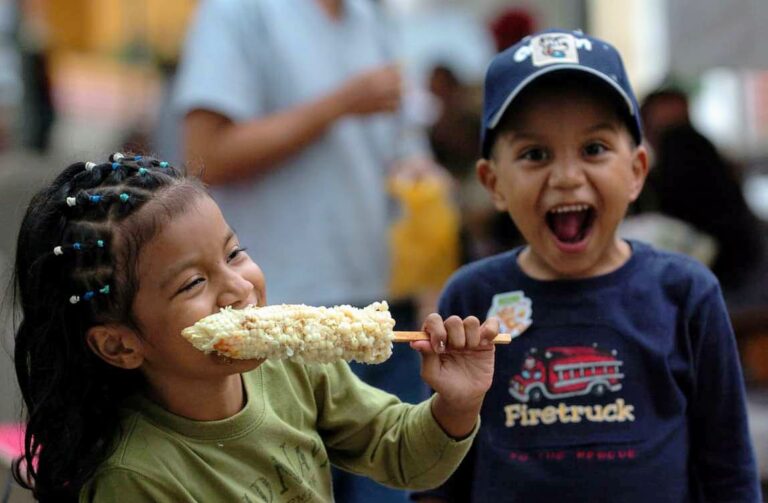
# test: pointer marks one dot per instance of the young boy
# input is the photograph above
(624, 384)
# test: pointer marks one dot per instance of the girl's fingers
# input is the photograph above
(438, 336)
(457, 334)
(456, 337)
(488, 331)
(472, 332)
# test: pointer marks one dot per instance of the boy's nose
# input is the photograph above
(566, 175)
(235, 291)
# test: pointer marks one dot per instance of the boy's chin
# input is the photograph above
(559, 260)
(581, 259)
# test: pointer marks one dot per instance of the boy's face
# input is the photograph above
(566, 173)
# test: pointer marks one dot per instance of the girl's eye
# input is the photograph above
(594, 149)
(534, 154)
(235, 253)
(190, 285)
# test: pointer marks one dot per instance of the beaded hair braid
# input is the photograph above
(95, 199)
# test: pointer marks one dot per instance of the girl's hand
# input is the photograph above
(457, 363)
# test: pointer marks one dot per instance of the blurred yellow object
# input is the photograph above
(425, 239)
(107, 27)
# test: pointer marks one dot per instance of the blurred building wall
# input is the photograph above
(707, 33)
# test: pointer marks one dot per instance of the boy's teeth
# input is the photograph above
(570, 207)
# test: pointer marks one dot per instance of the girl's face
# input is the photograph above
(566, 173)
(193, 267)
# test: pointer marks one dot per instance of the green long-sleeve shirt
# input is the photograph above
(297, 421)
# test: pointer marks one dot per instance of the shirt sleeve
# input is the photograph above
(370, 432)
(458, 487)
(723, 462)
(222, 60)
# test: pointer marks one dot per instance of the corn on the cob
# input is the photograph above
(304, 333)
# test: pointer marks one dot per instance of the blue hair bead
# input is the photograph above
(142, 171)
(104, 289)
(137, 158)
(115, 166)
(88, 295)
(124, 197)
(100, 243)
(94, 198)
(164, 164)
(76, 246)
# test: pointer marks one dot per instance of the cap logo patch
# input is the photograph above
(551, 48)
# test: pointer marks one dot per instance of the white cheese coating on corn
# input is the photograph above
(305, 333)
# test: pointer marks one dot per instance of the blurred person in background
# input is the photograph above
(662, 109)
(291, 110)
(455, 143)
(692, 182)
(39, 113)
(10, 82)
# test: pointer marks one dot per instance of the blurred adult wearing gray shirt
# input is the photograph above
(291, 110)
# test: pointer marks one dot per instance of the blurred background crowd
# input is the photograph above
(80, 79)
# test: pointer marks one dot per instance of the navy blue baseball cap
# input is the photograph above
(542, 53)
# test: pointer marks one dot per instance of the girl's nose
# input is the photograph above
(236, 291)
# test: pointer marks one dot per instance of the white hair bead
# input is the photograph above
(89, 166)
(74, 299)
(58, 251)
(117, 157)
(71, 201)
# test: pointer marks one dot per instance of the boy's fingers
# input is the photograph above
(438, 336)
(488, 331)
(472, 332)
(455, 328)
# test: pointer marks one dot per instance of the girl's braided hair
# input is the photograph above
(76, 262)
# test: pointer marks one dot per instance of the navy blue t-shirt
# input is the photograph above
(625, 387)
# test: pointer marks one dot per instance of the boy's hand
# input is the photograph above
(457, 362)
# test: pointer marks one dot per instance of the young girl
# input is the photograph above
(113, 261)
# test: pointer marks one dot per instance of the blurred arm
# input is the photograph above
(230, 151)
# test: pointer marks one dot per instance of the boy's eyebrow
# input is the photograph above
(175, 269)
(603, 125)
(514, 135)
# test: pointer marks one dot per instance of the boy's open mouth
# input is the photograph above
(571, 223)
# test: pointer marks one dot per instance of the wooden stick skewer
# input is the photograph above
(422, 336)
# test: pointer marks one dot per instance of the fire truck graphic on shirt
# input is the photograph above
(562, 372)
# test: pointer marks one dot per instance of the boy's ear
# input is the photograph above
(117, 345)
(639, 171)
(487, 176)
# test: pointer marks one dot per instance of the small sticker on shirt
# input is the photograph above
(514, 311)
